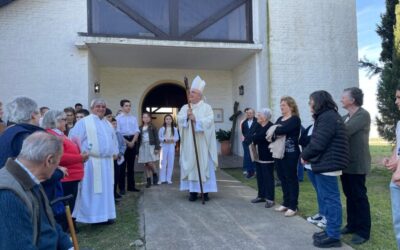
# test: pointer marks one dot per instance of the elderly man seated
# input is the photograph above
(26, 219)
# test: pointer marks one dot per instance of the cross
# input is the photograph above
(233, 118)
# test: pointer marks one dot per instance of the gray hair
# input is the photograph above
(39, 145)
(97, 101)
(266, 112)
(51, 118)
(20, 110)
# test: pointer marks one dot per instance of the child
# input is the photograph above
(168, 136)
(120, 159)
(149, 148)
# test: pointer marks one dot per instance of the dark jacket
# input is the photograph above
(304, 139)
(153, 137)
(291, 129)
(12, 138)
(328, 147)
(259, 139)
(358, 127)
(247, 131)
(26, 218)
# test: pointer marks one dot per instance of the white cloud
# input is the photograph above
(370, 51)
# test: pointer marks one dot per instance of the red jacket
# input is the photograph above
(71, 159)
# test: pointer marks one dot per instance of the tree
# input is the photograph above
(390, 76)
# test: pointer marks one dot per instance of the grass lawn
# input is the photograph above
(119, 235)
(382, 235)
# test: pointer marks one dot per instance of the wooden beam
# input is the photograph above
(190, 34)
(174, 18)
(138, 18)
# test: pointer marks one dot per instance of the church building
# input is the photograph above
(60, 52)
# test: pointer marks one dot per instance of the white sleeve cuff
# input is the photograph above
(199, 126)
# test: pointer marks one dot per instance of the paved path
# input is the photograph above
(227, 221)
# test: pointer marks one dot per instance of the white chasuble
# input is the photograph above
(206, 148)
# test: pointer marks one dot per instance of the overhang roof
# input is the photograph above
(142, 53)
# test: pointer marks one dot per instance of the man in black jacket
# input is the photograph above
(247, 127)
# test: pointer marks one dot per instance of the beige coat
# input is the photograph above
(277, 147)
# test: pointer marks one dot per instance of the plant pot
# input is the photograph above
(225, 147)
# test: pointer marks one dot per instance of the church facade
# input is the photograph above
(250, 51)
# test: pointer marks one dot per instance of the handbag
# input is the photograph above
(253, 152)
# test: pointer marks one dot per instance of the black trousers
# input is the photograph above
(287, 173)
(265, 180)
(128, 166)
(116, 175)
(357, 204)
(71, 187)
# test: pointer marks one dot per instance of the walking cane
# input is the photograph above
(71, 227)
(194, 141)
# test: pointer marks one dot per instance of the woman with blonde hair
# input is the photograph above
(289, 126)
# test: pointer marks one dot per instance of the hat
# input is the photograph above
(198, 84)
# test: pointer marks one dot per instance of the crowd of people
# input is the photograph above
(48, 153)
(333, 146)
(91, 156)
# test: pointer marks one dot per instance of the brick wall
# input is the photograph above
(37, 53)
(313, 46)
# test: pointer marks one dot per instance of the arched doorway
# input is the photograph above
(165, 98)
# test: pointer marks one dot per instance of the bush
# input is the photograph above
(223, 135)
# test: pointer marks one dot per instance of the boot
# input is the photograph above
(155, 179)
(148, 182)
(193, 196)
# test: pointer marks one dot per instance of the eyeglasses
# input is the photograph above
(63, 119)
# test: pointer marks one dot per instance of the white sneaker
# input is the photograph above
(290, 213)
(315, 219)
(322, 223)
(281, 209)
(170, 182)
(244, 172)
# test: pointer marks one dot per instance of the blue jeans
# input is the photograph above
(311, 177)
(395, 197)
(328, 190)
(248, 165)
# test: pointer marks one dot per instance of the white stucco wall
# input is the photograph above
(37, 53)
(134, 84)
(253, 73)
(313, 46)
(93, 77)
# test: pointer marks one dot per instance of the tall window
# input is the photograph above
(189, 20)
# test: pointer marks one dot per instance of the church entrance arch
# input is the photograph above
(164, 98)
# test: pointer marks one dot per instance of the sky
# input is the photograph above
(369, 46)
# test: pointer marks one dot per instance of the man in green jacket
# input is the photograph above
(358, 123)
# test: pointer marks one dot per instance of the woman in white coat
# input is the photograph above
(168, 135)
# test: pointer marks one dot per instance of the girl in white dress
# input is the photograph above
(149, 148)
(168, 135)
